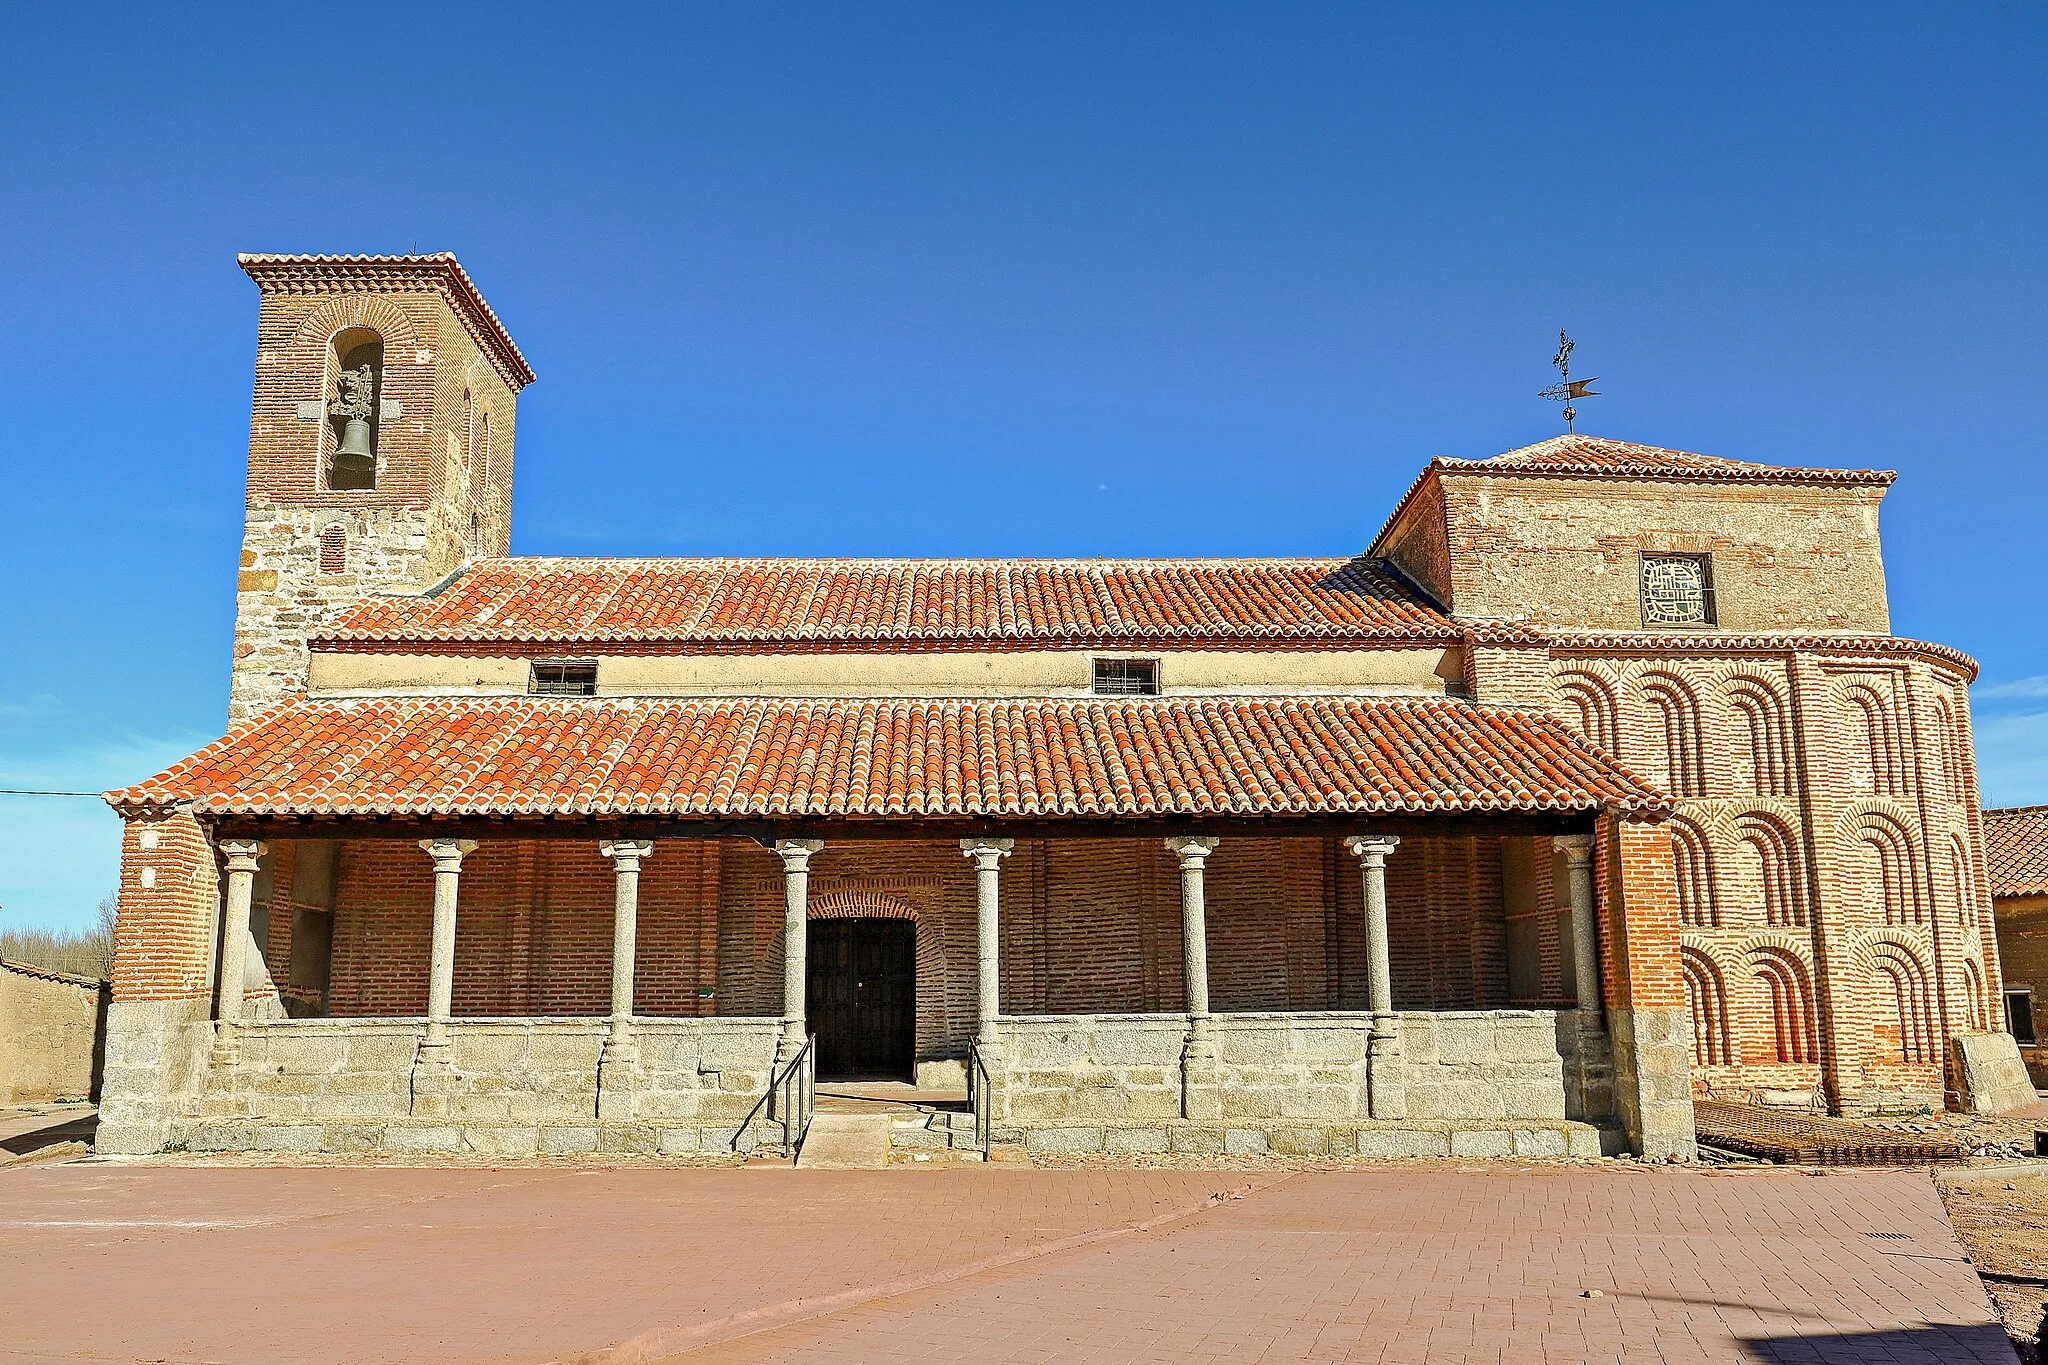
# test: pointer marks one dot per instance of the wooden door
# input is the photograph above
(861, 996)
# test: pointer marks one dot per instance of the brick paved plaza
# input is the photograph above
(189, 1263)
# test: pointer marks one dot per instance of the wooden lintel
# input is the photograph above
(938, 827)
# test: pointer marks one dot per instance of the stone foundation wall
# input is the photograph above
(518, 1087)
(1479, 1066)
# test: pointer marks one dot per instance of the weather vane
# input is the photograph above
(1570, 389)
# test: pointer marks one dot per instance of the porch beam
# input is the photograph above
(769, 833)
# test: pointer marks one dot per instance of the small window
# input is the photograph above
(1126, 677)
(1678, 590)
(2019, 1016)
(565, 678)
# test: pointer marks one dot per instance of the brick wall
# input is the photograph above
(1826, 858)
(2023, 948)
(1088, 926)
(443, 490)
(169, 898)
(1565, 551)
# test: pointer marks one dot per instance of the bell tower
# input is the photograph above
(380, 448)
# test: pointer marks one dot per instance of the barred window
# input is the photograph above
(564, 678)
(1126, 677)
(1678, 590)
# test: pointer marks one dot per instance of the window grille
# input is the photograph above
(1126, 677)
(564, 678)
(1678, 590)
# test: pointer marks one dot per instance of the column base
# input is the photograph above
(1386, 1090)
(227, 1047)
(1589, 1080)
(1201, 1080)
(618, 1074)
(792, 1042)
(433, 1077)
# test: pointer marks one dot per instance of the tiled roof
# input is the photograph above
(295, 274)
(782, 604)
(1596, 456)
(2016, 847)
(884, 758)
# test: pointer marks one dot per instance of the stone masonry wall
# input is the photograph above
(520, 1086)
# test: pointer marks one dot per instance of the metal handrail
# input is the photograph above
(980, 1088)
(791, 1098)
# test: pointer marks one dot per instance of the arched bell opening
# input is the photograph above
(353, 407)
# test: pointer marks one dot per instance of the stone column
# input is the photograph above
(435, 1048)
(1578, 856)
(796, 857)
(1386, 1093)
(616, 1064)
(1589, 1081)
(1199, 1059)
(242, 856)
(988, 855)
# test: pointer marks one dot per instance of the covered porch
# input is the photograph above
(1388, 981)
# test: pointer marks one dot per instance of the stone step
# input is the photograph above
(846, 1142)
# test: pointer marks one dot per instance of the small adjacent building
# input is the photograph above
(2016, 839)
(1595, 781)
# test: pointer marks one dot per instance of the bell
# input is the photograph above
(353, 458)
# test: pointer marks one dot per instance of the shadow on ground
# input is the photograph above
(1935, 1344)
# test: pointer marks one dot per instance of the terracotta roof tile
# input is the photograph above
(900, 603)
(2016, 847)
(901, 757)
(1598, 456)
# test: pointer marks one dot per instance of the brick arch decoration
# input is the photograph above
(1674, 704)
(1973, 991)
(1948, 749)
(1760, 707)
(380, 315)
(1960, 882)
(1589, 698)
(1706, 998)
(1890, 839)
(933, 1021)
(1880, 737)
(1775, 848)
(1894, 966)
(1788, 996)
(1692, 863)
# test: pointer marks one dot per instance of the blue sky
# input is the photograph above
(1047, 279)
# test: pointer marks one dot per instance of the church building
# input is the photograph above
(1596, 782)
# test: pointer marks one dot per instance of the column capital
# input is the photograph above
(1192, 850)
(448, 853)
(1577, 848)
(988, 852)
(626, 854)
(796, 853)
(1371, 850)
(241, 854)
